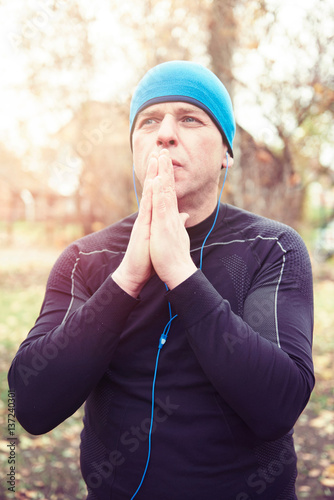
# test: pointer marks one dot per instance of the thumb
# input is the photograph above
(184, 217)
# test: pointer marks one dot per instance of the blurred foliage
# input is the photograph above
(83, 60)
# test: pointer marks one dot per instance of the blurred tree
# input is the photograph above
(164, 30)
(63, 60)
(268, 176)
(73, 59)
(93, 156)
(65, 51)
(25, 195)
(290, 52)
(223, 40)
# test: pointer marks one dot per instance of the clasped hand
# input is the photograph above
(159, 241)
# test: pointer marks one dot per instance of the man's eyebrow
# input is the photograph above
(146, 112)
(185, 110)
(180, 110)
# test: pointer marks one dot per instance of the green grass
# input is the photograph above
(47, 466)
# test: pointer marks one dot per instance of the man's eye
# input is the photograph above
(191, 119)
(147, 121)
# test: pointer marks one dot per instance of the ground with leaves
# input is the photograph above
(47, 467)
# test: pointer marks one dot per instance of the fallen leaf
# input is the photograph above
(326, 481)
(314, 473)
(39, 484)
(304, 489)
(329, 471)
(325, 419)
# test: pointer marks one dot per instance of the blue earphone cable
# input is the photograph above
(162, 342)
(214, 222)
(151, 426)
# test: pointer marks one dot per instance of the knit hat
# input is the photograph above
(190, 82)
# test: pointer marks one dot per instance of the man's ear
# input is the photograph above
(227, 158)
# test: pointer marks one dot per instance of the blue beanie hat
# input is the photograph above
(187, 82)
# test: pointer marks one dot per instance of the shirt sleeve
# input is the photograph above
(69, 348)
(260, 362)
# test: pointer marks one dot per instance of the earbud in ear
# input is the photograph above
(223, 165)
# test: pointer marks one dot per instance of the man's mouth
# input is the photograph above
(176, 164)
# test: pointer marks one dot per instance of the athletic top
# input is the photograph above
(233, 376)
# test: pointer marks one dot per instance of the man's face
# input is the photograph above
(195, 145)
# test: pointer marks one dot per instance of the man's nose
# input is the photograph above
(167, 133)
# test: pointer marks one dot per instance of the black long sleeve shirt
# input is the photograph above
(232, 379)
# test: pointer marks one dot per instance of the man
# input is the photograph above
(186, 330)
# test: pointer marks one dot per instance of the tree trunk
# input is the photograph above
(223, 40)
(259, 181)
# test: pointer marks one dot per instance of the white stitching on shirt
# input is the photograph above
(279, 278)
(195, 249)
(73, 272)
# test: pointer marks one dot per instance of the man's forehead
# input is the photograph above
(174, 106)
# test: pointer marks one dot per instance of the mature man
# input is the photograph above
(187, 329)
